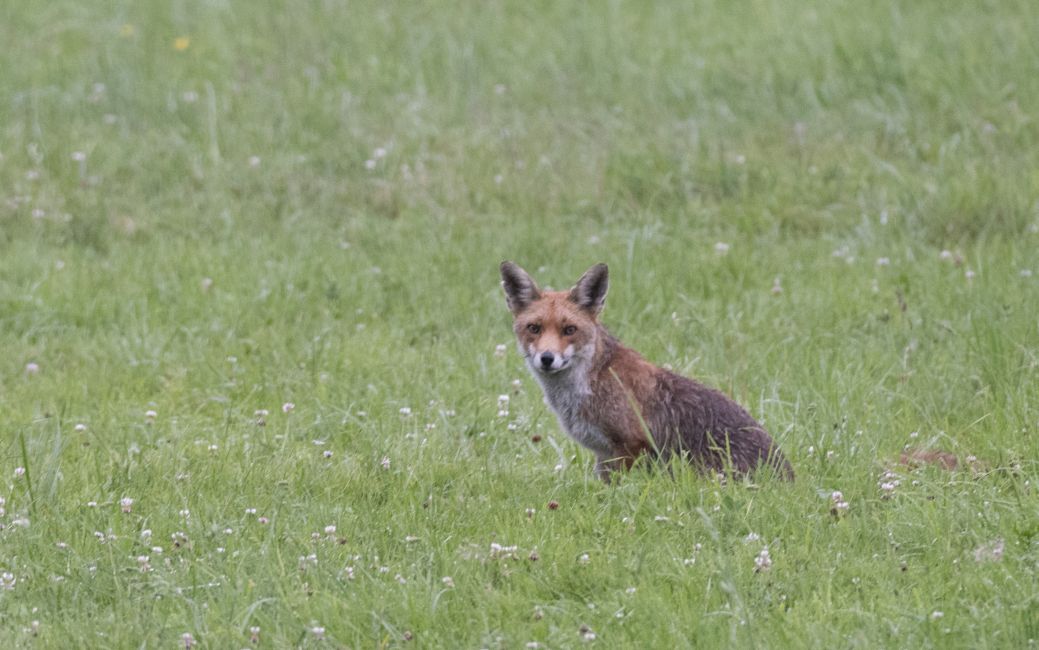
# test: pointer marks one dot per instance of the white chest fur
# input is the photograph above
(565, 393)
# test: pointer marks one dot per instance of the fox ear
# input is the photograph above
(590, 291)
(520, 289)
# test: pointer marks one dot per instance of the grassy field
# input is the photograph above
(250, 320)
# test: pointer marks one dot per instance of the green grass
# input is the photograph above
(165, 270)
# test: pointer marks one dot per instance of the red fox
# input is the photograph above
(611, 400)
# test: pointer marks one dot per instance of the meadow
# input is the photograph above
(258, 386)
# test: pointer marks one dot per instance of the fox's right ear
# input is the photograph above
(520, 289)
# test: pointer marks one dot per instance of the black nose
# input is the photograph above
(547, 358)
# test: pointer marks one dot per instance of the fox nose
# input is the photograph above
(546, 359)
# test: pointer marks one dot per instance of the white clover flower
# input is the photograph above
(840, 506)
(586, 633)
(126, 503)
(287, 407)
(763, 562)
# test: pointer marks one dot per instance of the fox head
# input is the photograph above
(555, 330)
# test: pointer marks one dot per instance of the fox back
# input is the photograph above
(615, 403)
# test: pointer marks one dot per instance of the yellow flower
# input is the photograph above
(181, 43)
(127, 30)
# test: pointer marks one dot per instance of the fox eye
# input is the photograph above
(534, 328)
(569, 330)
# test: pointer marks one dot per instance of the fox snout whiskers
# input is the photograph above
(548, 362)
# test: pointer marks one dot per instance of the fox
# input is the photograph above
(612, 401)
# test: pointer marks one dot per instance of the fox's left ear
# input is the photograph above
(590, 291)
